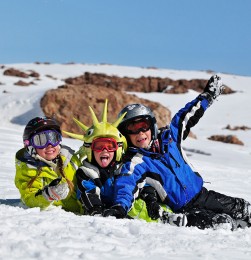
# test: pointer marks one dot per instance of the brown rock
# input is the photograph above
(142, 84)
(34, 74)
(235, 128)
(23, 83)
(73, 99)
(15, 73)
(231, 139)
(70, 101)
(51, 77)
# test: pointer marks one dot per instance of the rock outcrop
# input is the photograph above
(230, 139)
(91, 89)
(21, 74)
(142, 84)
(235, 128)
(70, 101)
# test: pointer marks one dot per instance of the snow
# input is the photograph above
(31, 234)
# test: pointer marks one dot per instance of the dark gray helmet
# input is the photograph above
(135, 111)
(38, 124)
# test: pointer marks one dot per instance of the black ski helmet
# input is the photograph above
(38, 124)
(135, 111)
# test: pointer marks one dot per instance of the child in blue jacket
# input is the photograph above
(155, 157)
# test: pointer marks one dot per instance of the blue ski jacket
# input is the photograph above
(168, 171)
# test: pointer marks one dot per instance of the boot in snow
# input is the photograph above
(203, 219)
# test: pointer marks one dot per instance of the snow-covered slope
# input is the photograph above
(31, 234)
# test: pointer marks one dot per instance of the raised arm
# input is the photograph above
(188, 116)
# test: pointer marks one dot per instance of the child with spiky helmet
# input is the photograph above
(102, 152)
(105, 130)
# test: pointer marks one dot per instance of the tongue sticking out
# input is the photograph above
(104, 161)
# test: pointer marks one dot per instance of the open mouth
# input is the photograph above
(141, 140)
(104, 160)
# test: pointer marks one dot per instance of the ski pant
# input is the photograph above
(210, 206)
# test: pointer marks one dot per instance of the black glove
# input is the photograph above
(96, 210)
(115, 211)
(153, 210)
(213, 89)
(148, 194)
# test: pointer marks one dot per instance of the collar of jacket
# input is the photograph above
(145, 152)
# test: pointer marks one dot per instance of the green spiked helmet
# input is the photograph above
(98, 130)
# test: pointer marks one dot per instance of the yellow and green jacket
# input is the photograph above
(32, 175)
(139, 211)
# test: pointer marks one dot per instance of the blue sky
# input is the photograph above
(173, 34)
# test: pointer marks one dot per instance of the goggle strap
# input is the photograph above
(87, 145)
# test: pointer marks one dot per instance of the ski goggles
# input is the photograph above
(100, 144)
(138, 125)
(43, 139)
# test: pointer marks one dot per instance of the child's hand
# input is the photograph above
(213, 88)
(55, 190)
(153, 209)
(149, 195)
(115, 211)
(96, 210)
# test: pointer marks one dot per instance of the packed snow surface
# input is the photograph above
(28, 233)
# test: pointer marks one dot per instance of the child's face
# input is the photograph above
(142, 139)
(103, 158)
(49, 153)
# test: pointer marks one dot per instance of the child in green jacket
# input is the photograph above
(45, 169)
